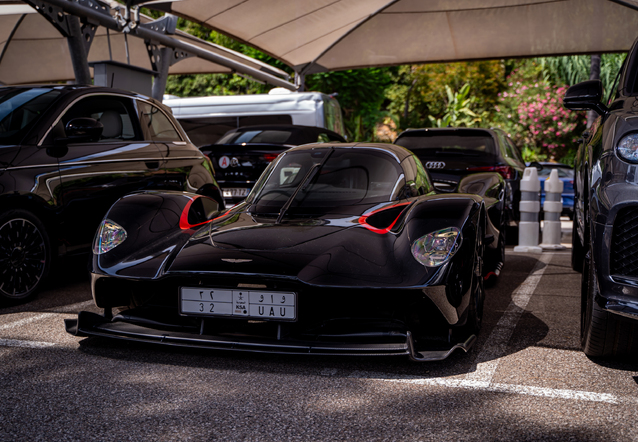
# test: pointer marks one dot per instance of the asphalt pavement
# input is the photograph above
(526, 379)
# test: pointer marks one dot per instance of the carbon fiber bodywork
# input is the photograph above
(358, 289)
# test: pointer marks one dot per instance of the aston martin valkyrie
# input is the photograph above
(338, 249)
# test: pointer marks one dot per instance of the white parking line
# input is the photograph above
(496, 345)
(24, 321)
(25, 344)
(551, 393)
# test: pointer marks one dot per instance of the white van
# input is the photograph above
(206, 119)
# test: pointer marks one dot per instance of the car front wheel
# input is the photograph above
(25, 255)
(603, 334)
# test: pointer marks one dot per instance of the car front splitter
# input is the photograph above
(91, 324)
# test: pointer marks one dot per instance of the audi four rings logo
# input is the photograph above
(435, 165)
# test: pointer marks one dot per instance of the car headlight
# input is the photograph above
(628, 147)
(437, 248)
(109, 236)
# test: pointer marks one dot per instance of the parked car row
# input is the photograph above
(352, 217)
(307, 211)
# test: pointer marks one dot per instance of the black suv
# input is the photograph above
(605, 235)
(67, 153)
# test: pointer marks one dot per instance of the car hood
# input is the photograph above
(329, 250)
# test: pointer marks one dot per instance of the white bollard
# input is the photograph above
(552, 207)
(529, 207)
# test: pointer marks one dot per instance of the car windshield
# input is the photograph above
(345, 177)
(452, 143)
(294, 136)
(20, 109)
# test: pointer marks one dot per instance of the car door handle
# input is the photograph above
(153, 164)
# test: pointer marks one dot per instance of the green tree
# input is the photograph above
(361, 94)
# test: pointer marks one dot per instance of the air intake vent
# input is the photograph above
(624, 243)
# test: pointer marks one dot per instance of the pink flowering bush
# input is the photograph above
(532, 113)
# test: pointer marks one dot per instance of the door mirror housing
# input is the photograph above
(83, 130)
(78, 130)
(586, 96)
(536, 164)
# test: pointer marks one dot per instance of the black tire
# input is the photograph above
(578, 249)
(477, 300)
(25, 255)
(603, 334)
(496, 258)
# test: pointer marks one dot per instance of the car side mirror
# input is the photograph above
(536, 164)
(586, 96)
(82, 130)
(78, 130)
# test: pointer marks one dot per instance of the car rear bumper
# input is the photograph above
(364, 344)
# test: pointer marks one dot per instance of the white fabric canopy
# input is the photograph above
(33, 51)
(319, 35)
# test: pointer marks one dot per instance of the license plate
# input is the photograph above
(236, 192)
(198, 301)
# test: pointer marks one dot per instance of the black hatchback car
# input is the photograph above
(605, 235)
(67, 153)
(451, 153)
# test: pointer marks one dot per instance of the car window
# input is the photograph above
(442, 143)
(347, 177)
(256, 136)
(516, 154)
(156, 125)
(112, 111)
(20, 109)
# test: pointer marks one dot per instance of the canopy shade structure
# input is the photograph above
(322, 35)
(34, 51)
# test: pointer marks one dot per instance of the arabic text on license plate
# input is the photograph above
(236, 192)
(200, 301)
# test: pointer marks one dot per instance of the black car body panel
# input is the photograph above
(242, 154)
(67, 180)
(350, 266)
(606, 217)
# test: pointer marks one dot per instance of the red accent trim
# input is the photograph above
(183, 219)
(489, 275)
(270, 156)
(364, 217)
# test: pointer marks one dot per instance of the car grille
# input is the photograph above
(624, 243)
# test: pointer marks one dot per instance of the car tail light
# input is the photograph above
(506, 172)
(270, 156)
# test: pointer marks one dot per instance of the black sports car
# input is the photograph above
(242, 154)
(605, 236)
(67, 153)
(338, 249)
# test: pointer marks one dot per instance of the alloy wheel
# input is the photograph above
(23, 258)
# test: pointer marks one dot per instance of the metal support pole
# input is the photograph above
(159, 82)
(77, 49)
(594, 74)
(300, 81)
(75, 8)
